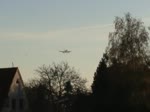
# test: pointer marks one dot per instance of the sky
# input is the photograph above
(32, 32)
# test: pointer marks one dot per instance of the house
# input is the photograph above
(12, 94)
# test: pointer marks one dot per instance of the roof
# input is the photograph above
(6, 77)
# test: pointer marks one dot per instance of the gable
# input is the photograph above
(16, 83)
(6, 77)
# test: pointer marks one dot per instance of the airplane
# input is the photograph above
(65, 51)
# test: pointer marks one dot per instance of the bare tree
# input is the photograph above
(129, 42)
(56, 76)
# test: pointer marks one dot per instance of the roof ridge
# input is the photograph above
(9, 68)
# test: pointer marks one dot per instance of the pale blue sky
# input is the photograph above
(33, 31)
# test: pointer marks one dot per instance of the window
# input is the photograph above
(17, 81)
(21, 103)
(13, 104)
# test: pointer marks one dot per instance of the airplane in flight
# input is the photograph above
(65, 51)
